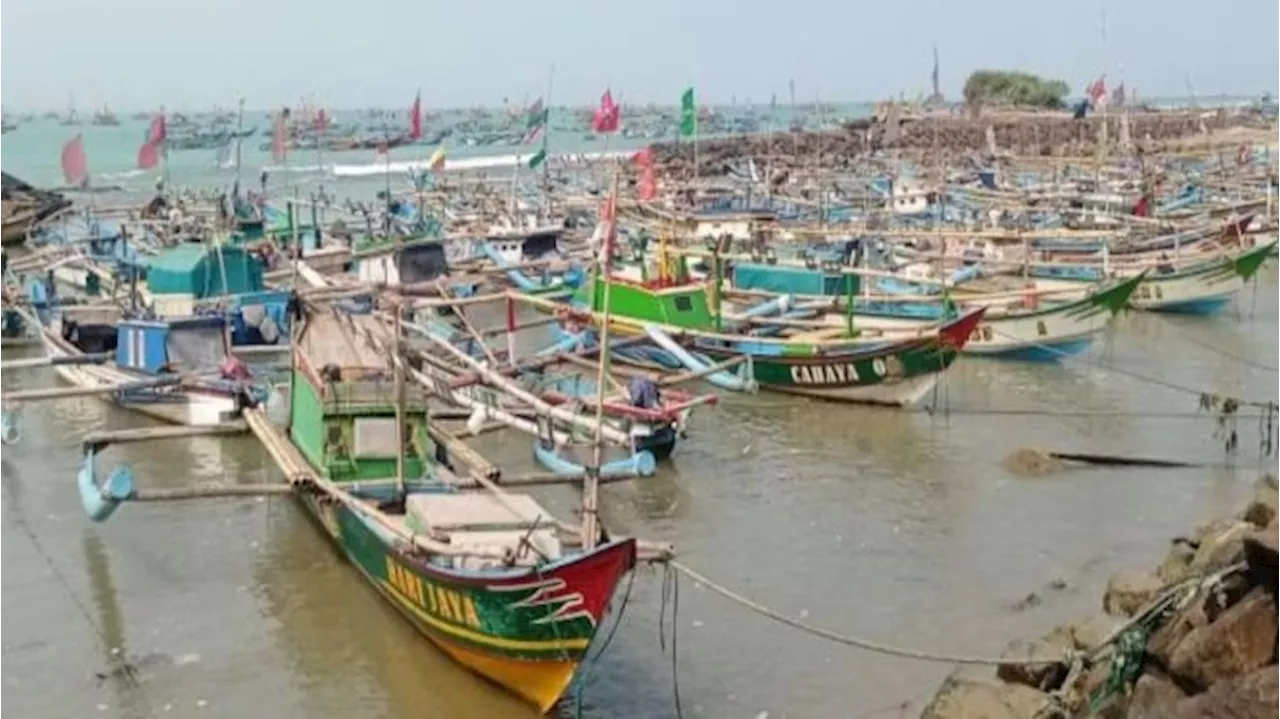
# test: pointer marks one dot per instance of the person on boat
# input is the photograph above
(644, 393)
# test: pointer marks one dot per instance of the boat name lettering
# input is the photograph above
(844, 373)
(445, 603)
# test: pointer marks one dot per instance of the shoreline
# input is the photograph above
(1194, 636)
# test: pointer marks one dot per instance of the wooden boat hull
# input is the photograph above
(526, 629)
(1200, 290)
(184, 407)
(892, 373)
(1046, 334)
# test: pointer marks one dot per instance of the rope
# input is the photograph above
(1175, 596)
(593, 661)
(1135, 375)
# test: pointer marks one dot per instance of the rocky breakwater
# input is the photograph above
(1193, 637)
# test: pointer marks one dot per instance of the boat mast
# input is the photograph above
(398, 369)
(591, 480)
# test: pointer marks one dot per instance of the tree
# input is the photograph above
(1002, 87)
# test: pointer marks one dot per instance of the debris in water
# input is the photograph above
(1027, 462)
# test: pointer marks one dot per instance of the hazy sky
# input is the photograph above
(137, 54)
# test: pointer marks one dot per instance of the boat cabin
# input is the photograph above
(178, 345)
(526, 246)
(181, 275)
(343, 403)
(408, 263)
(684, 304)
(821, 278)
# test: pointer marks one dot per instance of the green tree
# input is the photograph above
(1002, 87)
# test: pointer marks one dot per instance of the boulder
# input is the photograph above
(1162, 642)
(1250, 696)
(972, 693)
(1154, 697)
(1266, 498)
(1129, 591)
(1057, 643)
(1087, 634)
(1242, 639)
(1220, 546)
(1177, 563)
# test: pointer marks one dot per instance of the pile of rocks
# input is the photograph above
(1213, 657)
(940, 137)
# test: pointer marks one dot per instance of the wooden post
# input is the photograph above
(398, 369)
(591, 482)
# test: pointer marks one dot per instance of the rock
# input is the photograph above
(1245, 697)
(1129, 591)
(1242, 639)
(1154, 697)
(1220, 546)
(1260, 553)
(1177, 563)
(1057, 643)
(972, 693)
(1263, 507)
(1162, 642)
(1089, 633)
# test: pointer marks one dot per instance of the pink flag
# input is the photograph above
(322, 120)
(1098, 89)
(148, 155)
(643, 157)
(278, 150)
(607, 115)
(75, 166)
(153, 144)
(415, 118)
(648, 184)
(159, 131)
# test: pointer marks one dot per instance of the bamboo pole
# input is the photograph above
(146, 434)
(52, 393)
(210, 491)
(591, 482)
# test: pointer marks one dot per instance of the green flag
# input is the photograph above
(538, 158)
(688, 115)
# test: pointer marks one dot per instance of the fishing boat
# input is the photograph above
(24, 207)
(487, 578)
(178, 370)
(828, 362)
(1201, 288)
(105, 117)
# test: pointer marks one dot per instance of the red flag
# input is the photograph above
(644, 157)
(75, 166)
(648, 184)
(159, 131)
(278, 150)
(415, 118)
(1098, 89)
(157, 134)
(148, 155)
(1143, 207)
(322, 120)
(607, 115)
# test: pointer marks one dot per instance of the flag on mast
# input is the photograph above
(415, 118)
(75, 166)
(607, 115)
(153, 143)
(279, 150)
(688, 114)
(535, 120)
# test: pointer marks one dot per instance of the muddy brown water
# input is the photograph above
(899, 527)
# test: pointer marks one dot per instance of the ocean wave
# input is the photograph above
(124, 174)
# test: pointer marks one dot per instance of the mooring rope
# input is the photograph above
(1176, 596)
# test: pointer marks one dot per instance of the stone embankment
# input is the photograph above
(1193, 637)
(939, 138)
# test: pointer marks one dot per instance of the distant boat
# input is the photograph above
(105, 117)
(71, 117)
